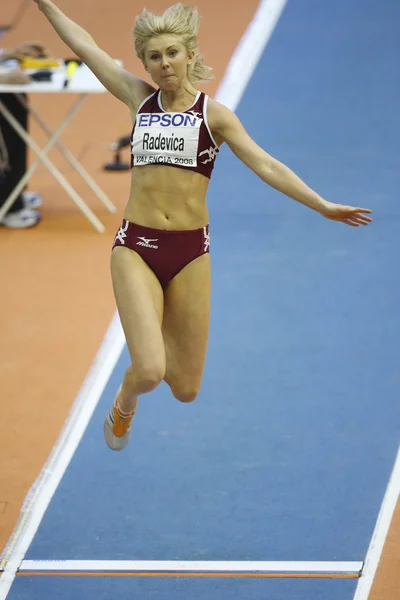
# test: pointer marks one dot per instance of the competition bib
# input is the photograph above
(170, 138)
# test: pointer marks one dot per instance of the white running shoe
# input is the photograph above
(32, 199)
(21, 219)
(117, 428)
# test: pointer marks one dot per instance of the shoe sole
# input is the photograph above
(27, 225)
(112, 441)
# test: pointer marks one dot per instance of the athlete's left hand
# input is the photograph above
(346, 214)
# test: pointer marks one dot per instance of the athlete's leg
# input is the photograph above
(185, 327)
(139, 299)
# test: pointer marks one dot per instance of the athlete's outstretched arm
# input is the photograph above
(229, 129)
(126, 87)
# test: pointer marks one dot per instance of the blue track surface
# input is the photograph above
(178, 589)
(286, 453)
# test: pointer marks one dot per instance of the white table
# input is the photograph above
(82, 82)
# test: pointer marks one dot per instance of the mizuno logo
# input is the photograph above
(121, 234)
(146, 242)
(195, 114)
(206, 239)
(211, 152)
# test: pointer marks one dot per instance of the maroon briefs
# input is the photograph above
(165, 251)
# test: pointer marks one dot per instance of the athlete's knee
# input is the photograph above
(185, 393)
(150, 375)
(150, 379)
(146, 377)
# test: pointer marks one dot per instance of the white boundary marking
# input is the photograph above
(202, 566)
(248, 52)
(46, 484)
(243, 61)
(385, 516)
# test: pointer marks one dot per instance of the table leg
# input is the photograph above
(53, 170)
(68, 154)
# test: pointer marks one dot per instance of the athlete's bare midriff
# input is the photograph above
(166, 197)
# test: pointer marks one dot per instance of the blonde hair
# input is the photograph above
(180, 20)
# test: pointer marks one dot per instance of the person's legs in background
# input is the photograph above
(21, 214)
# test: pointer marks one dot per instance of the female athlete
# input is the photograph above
(160, 262)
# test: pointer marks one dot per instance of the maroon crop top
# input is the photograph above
(179, 139)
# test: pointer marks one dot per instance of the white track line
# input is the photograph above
(243, 61)
(203, 566)
(42, 491)
(390, 500)
(248, 52)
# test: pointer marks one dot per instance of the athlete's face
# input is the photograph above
(166, 59)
